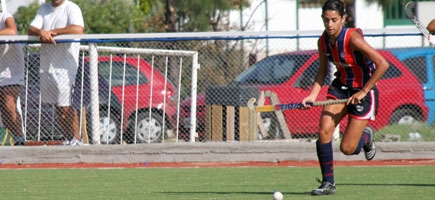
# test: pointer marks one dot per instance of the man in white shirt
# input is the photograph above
(59, 62)
(11, 79)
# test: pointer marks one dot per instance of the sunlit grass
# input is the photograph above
(414, 132)
(250, 183)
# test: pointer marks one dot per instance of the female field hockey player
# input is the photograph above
(359, 67)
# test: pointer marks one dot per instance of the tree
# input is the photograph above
(107, 16)
(149, 16)
(24, 16)
(199, 15)
(170, 16)
(203, 16)
(127, 16)
(124, 16)
(349, 7)
(100, 16)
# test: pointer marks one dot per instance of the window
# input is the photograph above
(118, 73)
(307, 78)
(273, 70)
(392, 72)
(418, 66)
(394, 13)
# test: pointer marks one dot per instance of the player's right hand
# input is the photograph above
(304, 102)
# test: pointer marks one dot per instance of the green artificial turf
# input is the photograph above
(250, 183)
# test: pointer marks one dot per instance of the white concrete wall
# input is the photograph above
(13, 5)
(426, 11)
(368, 16)
(283, 16)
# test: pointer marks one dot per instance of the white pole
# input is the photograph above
(95, 110)
(195, 67)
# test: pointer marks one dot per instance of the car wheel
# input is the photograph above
(109, 128)
(405, 116)
(148, 130)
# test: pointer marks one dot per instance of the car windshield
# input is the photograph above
(120, 73)
(272, 70)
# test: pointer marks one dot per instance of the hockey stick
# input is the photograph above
(409, 10)
(270, 108)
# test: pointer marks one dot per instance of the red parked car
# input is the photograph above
(113, 72)
(138, 87)
(290, 76)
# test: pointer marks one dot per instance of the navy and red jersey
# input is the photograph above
(353, 68)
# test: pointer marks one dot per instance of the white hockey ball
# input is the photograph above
(277, 195)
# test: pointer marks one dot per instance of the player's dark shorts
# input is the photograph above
(369, 104)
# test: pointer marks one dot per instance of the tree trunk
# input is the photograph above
(170, 16)
(350, 11)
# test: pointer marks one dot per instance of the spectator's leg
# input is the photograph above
(10, 116)
(68, 120)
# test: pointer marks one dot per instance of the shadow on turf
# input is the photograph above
(386, 184)
(298, 193)
(223, 193)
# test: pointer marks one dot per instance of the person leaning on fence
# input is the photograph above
(59, 62)
(431, 27)
(11, 79)
(359, 67)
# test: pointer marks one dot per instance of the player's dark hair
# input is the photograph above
(335, 5)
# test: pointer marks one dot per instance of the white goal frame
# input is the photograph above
(93, 55)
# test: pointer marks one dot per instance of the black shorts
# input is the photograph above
(369, 104)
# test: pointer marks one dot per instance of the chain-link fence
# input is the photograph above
(127, 90)
(144, 85)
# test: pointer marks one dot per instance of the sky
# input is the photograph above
(13, 5)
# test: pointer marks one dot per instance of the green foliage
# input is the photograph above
(150, 16)
(107, 16)
(199, 15)
(100, 16)
(24, 16)
(126, 16)
(145, 5)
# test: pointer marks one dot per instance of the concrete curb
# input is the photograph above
(203, 152)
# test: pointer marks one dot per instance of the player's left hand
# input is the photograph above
(356, 98)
